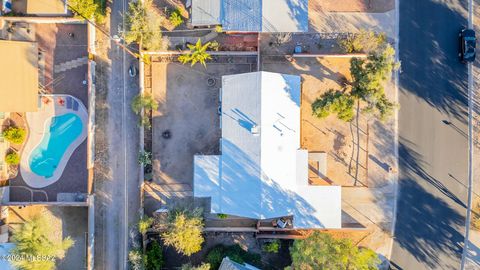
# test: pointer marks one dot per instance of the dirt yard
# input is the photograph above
(342, 141)
(188, 110)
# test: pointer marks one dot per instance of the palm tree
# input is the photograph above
(198, 53)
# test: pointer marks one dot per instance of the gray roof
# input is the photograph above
(228, 264)
(206, 12)
(252, 15)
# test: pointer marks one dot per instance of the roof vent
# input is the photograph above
(255, 130)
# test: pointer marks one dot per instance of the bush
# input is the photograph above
(15, 135)
(322, 251)
(176, 18)
(272, 247)
(154, 256)
(144, 224)
(184, 231)
(364, 41)
(137, 260)
(12, 158)
(234, 252)
(145, 158)
(222, 216)
(145, 101)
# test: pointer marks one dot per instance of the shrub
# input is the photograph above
(144, 224)
(154, 256)
(137, 259)
(184, 231)
(176, 18)
(222, 216)
(218, 28)
(12, 158)
(145, 101)
(145, 158)
(272, 247)
(364, 41)
(14, 135)
(234, 252)
(322, 251)
(203, 266)
(33, 239)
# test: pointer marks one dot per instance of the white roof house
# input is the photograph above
(262, 172)
(252, 15)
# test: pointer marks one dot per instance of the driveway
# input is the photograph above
(433, 147)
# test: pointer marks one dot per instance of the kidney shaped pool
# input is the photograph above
(62, 132)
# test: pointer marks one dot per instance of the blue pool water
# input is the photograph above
(64, 130)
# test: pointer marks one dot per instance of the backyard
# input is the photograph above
(186, 122)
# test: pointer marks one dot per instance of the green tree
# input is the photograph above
(369, 78)
(137, 259)
(83, 8)
(334, 102)
(198, 54)
(322, 251)
(12, 158)
(144, 224)
(203, 266)
(184, 231)
(143, 25)
(34, 238)
(176, 18)
(364, 41)
(154, 260)
(15, 135)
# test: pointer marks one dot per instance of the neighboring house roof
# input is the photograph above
(252, 15)
(5, 249)
(46, 7)
(262, 172)
(18, 76)
(228, 264)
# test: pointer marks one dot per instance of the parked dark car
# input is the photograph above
(467, 45)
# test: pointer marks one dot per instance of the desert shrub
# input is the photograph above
(14, 135)
(272, 247)
(364, 41)
(184, 231)
(203, 266)
(137, 259)
(176, 18)
(12, 158)
(336, 102)
(144, 224)
(154, 256)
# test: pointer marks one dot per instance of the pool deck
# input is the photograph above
(71, 176)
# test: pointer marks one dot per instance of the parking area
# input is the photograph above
(62, 62)
(64, 221)
(188, 111)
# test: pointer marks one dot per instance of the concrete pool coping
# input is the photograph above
(38, 122)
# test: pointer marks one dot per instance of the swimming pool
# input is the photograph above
(59, 135)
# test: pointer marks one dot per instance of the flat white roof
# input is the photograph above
(262, 172)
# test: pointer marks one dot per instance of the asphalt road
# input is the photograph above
(433, 144)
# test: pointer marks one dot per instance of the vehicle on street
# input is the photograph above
(467, 45)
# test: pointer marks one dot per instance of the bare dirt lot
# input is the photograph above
(188, 109)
